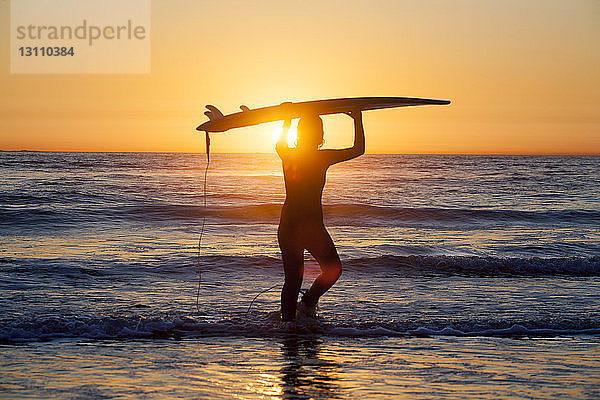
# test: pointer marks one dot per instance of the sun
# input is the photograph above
(292, 135)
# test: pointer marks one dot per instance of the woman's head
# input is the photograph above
(310, 132)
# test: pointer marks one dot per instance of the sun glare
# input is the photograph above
(291, 139)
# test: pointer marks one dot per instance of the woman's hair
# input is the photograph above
(310, 132)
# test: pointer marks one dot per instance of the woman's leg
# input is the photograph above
(323, 250)
(292, 255)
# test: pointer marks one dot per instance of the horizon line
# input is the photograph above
(273, 152)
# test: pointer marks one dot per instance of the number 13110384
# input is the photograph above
(46, 51)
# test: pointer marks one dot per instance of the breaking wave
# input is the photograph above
(265, 324)
(408, 265)
(341, 214)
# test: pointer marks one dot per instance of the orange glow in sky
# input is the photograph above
(523, 77)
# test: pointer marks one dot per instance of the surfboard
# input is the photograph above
(247, 117)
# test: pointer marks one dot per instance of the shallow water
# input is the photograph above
(303, 367)
(463, 275)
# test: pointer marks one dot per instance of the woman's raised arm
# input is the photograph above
(339, 155)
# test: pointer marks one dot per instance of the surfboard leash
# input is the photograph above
(258, 295)
(198, 264)
(207, 137)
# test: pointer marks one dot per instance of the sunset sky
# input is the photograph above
(523, 77)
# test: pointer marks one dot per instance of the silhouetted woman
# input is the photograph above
(301, 225)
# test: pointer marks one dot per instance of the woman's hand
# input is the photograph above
(354, 114)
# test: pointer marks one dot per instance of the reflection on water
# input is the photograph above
(305, 373)
(301, 367)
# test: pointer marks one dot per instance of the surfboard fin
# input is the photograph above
(244, 108)
(213, 113)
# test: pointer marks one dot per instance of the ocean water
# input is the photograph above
(464, 276)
